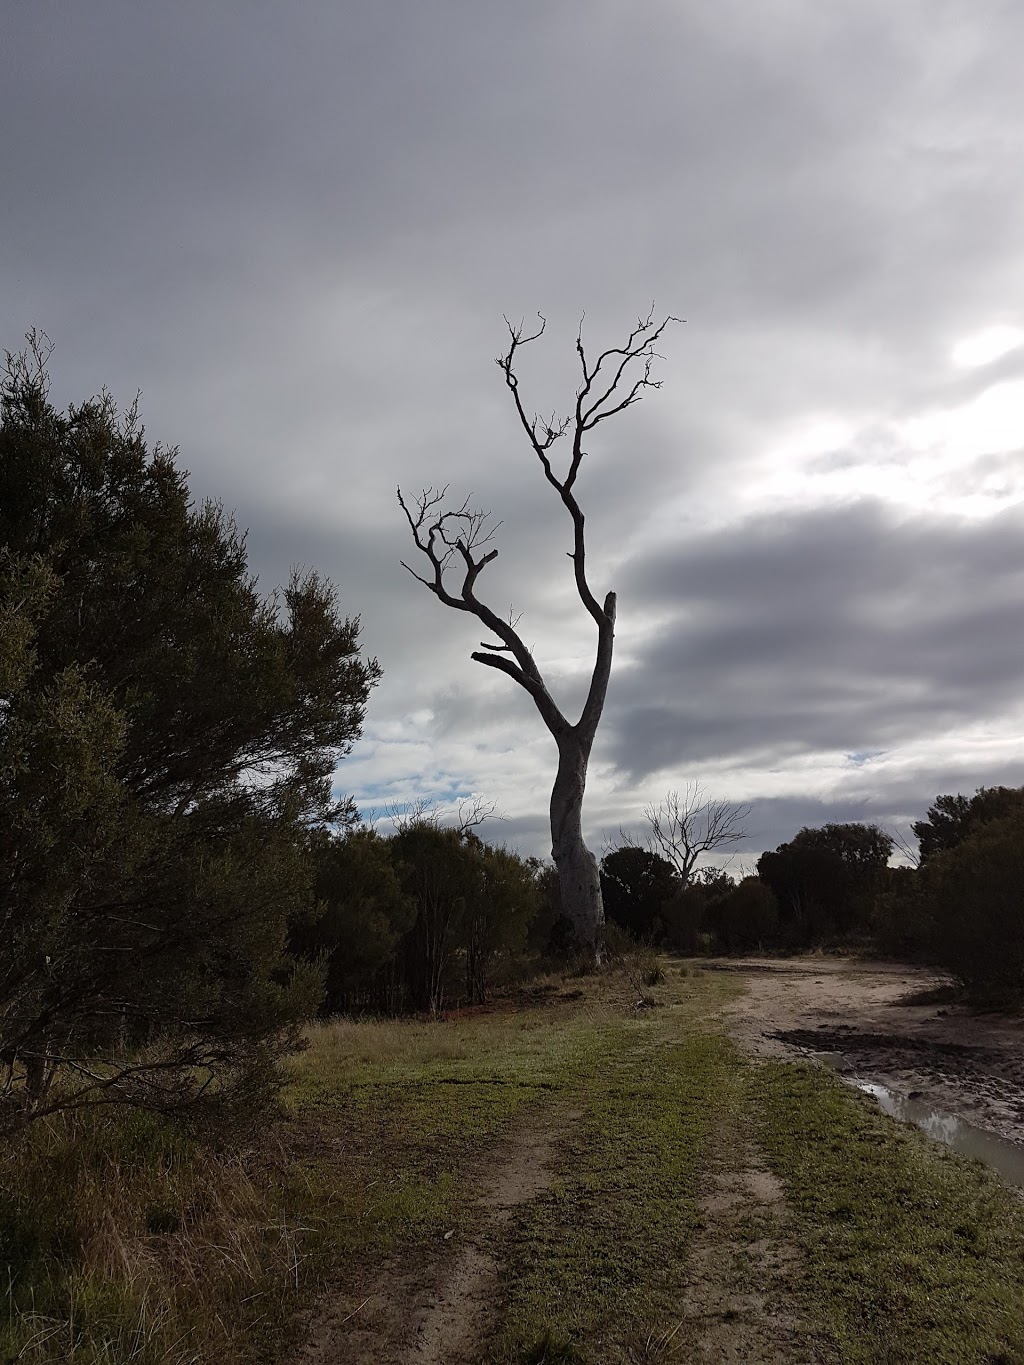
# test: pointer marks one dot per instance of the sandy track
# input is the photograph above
(739, 1307)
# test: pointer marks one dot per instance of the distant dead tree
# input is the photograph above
(685, 825)
(453, 539)
(472, 811)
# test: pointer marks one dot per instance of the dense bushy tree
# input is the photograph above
(975, 890)
(745, 917)
(688, 914)
(902, 918)
(166, 735)
(498, 916)
(824, 881)
(952, 818)
(420, 920)
(635, 885)
(441, 875)
(361, 915)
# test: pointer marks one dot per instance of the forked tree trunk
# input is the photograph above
(458, 535)
(578, 878)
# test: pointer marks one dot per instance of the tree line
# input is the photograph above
(960, 907)
(180, 887)
(180, 890)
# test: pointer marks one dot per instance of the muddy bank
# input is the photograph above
(967, 1064)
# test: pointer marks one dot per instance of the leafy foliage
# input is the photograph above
(976, 894)
(745, 917)
(952, 818)
(166, 737)
(824, 881)
(635, 885)
(418, 920)
(362, 911)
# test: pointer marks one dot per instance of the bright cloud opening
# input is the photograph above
(982, 348)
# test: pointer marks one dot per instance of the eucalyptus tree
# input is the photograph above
(453, 540)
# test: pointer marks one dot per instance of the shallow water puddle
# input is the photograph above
(1000, 1153)
(1004, 1156)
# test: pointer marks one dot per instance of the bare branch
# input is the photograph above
(472, 811)
(475, 810)
(683, 826)
(903, 846)
(452, 542)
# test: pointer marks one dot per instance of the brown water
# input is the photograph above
(1004, 1156)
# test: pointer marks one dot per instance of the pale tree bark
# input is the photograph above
(453, 539)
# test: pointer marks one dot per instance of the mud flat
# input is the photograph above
(939, 1055)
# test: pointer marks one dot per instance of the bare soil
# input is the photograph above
(861, 1013)
(740, 1307)
(437, 1311)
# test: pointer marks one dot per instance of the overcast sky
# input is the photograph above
(296, 229)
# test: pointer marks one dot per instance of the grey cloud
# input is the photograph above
(297, 228)
(844, 629)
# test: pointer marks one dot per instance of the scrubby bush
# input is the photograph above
(902, 917)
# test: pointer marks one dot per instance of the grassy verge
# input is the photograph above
(912, 1253)
(595, 1267)
(130, 1243)
(631, 1095)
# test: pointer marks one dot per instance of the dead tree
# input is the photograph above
(453, 541)
(682, 827)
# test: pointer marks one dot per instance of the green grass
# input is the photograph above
(602, 1256)
(912, 1253)
(414, 1105)
(131, 1243)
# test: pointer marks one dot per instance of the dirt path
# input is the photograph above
(438, 1312)
(967, 1064)
(739, 1307)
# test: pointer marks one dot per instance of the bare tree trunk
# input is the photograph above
(453, 540)
(578, 878)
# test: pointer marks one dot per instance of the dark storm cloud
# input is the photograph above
(847, 629)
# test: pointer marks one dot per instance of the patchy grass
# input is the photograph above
(412, 1105)
(131, 1243)
(599, 1262)
(912, 1253)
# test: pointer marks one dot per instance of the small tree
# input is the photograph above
(453, 542)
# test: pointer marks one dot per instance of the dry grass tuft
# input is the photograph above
(126, 1242)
